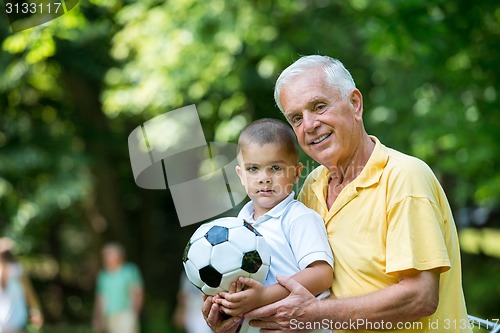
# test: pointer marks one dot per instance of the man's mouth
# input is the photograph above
(320, 139)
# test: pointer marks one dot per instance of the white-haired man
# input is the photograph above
(388, 220)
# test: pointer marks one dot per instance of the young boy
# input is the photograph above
(268, 167)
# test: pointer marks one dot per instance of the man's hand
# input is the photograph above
(213, 316)
(276, 317)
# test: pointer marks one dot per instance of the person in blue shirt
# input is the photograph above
(119, 294)
(18, 300)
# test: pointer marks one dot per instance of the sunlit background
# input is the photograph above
(73, 89)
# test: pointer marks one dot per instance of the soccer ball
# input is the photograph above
(221, 251)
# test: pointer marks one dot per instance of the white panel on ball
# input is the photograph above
(199, 253)
(261, 273)
(226, 257)
(193, 274)
(233, 276)
(211, 291)
(242, 238)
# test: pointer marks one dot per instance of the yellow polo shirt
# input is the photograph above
(394, 216)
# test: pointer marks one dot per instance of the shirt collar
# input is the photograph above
(372, 171)
(370, 174)
(276, 212)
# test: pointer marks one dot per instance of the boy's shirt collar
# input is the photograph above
(276, 212)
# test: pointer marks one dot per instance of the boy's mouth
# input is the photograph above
(266, 191)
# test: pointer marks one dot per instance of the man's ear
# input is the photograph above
(298, 171)
(356, 100)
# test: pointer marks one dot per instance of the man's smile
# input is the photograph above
(320, 139)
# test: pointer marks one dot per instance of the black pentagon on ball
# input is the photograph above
(252, 229)
(217, 235)
(185, 253)
(251, 261)
(210, 276)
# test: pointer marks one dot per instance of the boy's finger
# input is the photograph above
(249, 282)
(226, 304)
(232, 288)
(239, 286)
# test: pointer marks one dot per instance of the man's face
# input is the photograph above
(327, 126)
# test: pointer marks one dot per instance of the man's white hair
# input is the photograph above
(337, 75)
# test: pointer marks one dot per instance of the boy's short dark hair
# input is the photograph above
(269, 130)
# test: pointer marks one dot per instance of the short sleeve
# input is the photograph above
(135, 275)
(308, 240)
(415, 236)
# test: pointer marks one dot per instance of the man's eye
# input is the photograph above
(320, 107)
(296, 120)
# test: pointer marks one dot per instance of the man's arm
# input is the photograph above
(415, 296)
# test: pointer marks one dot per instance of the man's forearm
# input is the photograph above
(412, 298)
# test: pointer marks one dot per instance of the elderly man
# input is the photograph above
(388, 220)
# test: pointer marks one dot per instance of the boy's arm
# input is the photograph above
(317, 277)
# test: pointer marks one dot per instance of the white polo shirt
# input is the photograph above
(296, 236)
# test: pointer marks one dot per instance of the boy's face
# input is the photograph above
(268, 173)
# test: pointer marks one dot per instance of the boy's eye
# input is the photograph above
(276, 168)
(252, 169)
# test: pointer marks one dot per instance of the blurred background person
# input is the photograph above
(18, 300)
(119, 293)
(187, 315)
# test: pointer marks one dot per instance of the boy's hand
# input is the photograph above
(242, 301)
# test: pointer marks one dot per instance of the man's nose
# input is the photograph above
(310, 121)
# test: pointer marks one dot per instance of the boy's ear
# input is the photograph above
(298, 171)
(240, 174)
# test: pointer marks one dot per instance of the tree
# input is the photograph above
(73, 89)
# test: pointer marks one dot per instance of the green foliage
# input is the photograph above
(74, 88)
(62, 329)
